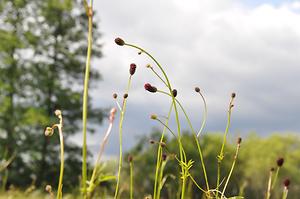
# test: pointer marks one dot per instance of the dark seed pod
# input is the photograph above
(287, 182)
(152, 142)
(197, 89)
(280, 162)
(233, 95)
(239, 140)
(272, 169)
(174, 92)
(164, 156)
(130, 158)
(119, 41)
(115, 95)
(162, 144)
(150, 88)
(132, 69)
(125, 95)
(153, 117)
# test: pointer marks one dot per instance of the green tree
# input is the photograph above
(52, 35)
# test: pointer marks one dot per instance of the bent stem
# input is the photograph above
(121, 139)
(159, 154)
(231, 170)
(85, 98)
(221, 154)
(183, 159)
(195, 137)
(102, 146)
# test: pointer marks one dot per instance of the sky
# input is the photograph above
(249, 47)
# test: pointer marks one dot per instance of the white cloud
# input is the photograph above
(222, 46)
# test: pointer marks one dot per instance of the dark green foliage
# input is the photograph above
(257, 155)
(42, 60)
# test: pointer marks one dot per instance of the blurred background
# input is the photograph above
(248, 47)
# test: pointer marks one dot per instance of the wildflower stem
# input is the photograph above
(275, 178)
(131, 179)
(121, 139)
(204, 115)
(85, 99)
(231, 170)
(176, 114)
(268, 195)
(159, 153)
(285, 193)
(195, 137)
(61, 172)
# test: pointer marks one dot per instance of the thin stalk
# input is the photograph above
(231, 170)
(275, 178)
(176, 114)
(285, 193)
(121, 139)
(268, 195)
(85, 100)
(159, 153)
(195, 137)
(161, 173)
(221, 154)
(204, 115)
(131, 179)
(61, 172)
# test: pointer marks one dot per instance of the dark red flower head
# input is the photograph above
(150, 88)
(164, 156)
(287, 182)
(239, 140)
(119, 41)
(132, 69)
(130, 158)
(280, 162)
(174, 92)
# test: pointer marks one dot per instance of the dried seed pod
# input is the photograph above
(174, 92)
(132, 68)
(115, 95)
(197, 89)
(119, 41)
(150, 88)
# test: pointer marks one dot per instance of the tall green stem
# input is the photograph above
(159, 153)
(131, 179)
(183, 159)
(61, 172)
(121, 139)
(85, 100)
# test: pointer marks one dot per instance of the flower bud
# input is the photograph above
(280, 162)
(197, 89)
(125, 95)
(132, 69)
(287, 182)
(164, 156)
(115, 95)
(49, 131)
(152, 141)
(57, 112)
(119, 41)
(150, 88)
(153, 117)
(239, 140)
(233, 95)
(174, 92)
(130, 158)
(162, 144)
(48, 188)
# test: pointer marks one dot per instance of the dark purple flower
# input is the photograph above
(132, 69)
(119, 41)
(150, 88)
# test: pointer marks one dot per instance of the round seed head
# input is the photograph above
(162, 144)
(197, 89)
(148, 66)
(119, 41)
(152, 142)
(233, 95)
(115, 95)
(130, 158)
(49, 131)
(174, 92)
(132, 69)
(57, 112)
(153, 117)
(287, 182)
(48, 188)
(280, 162)
(272, 169)
(164, 156)
(125, 95)
(150, 88)
(239, 140)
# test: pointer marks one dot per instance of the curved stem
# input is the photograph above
(61, 172)
(204, 115)
(176, 114)
(159, 153)
(195, 137)
(121, 139)
(85, 101)
(231, 170)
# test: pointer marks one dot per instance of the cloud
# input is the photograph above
(221, 46)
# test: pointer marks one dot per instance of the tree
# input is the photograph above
(54, 33)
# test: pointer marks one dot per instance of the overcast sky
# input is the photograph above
(249, 47)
